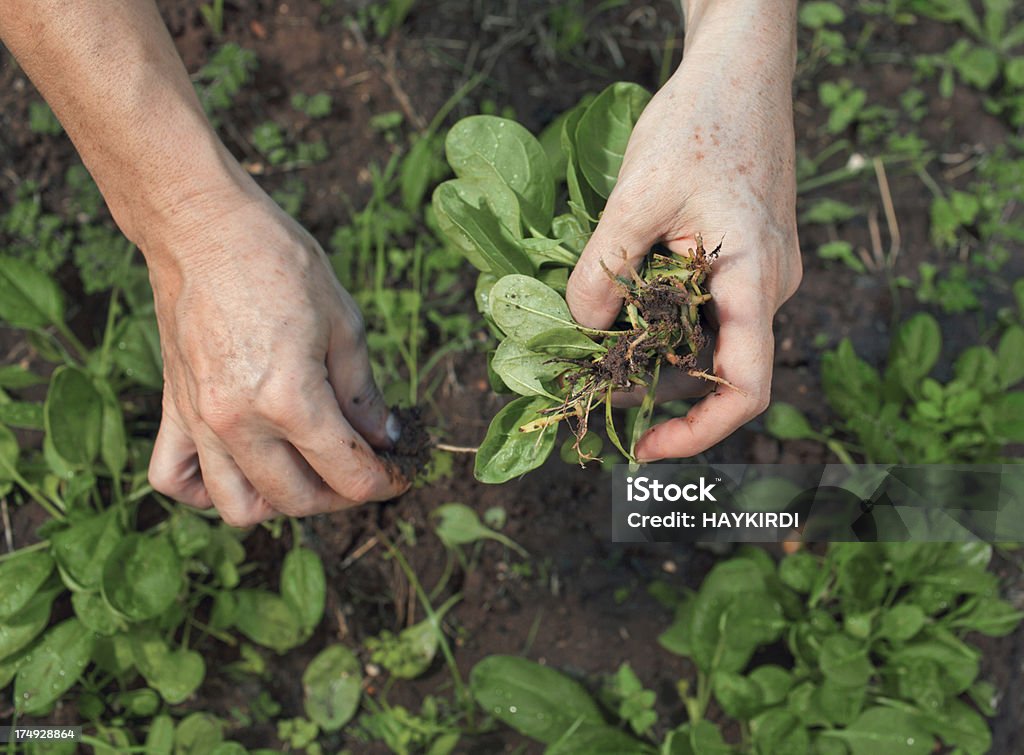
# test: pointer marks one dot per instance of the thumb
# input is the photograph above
(620, 242)
(348, 369)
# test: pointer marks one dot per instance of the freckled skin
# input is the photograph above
(728, 109)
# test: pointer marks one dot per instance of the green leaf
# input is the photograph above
(885, 730)
(16, 632)
(1009, 417)
(15, 376)
(198, 734)
(92, 610)
(331, 686)
(779, 731)
(28, 298)
(844, 661)
(959, 725)
(488, 147)
(839, 704)
(137, 350)
(957, 660)
(604, 740)
(160, 737)
(175, 674)
(786, 422)
(53, 667)
(676, 639)
(524, 308)
(113, 441)
(604, 130)
(304, 586)
(478, 233)
(990, 616)
(409, 654)
(851, 385)
(267, 620)
(583, 200)
(8, 457)
(189, 533)
(73, 415)
(545, 251)
(460, 525)
(506, 452)
(739, 696)
(818, 14)
(978, 366)
(81, 549)
(535, 700)
(696, 738)
(418, 167)
(21, 576)
(978, 66)
(24, 414)
(901, 622)
(1011, 357)
(799, 571)
(142, 576)
(492, 196)
(564, 342)
(915, 349)
(774, 682)
(733, 615)
(523, 370)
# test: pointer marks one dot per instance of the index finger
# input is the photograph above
(743, 356)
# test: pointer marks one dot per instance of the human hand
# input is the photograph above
(269, 403)
(712, 154)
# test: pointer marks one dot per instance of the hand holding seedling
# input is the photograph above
(712, 154)
(269, 403)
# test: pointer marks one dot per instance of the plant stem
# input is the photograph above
(453, 668)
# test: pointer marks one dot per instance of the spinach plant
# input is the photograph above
(870, 651)
(500, 213)
(903, 415)
(123, 587)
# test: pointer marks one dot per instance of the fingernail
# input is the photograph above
(393, 428)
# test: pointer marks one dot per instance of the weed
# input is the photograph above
(500, 214)
(213, 15)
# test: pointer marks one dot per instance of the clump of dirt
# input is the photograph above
(411, 452)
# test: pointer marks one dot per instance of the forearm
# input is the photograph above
(110, 71)
(743, 32)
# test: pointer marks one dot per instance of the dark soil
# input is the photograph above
(411, 453)
(581, 605)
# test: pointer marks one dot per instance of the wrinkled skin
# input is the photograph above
(712, 154)
(269, 403)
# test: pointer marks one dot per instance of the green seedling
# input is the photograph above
(903, 415)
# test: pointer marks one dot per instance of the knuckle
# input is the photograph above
(163, 480)
(759, 401)
(279, 402)
(218, 414)
(237, 517)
